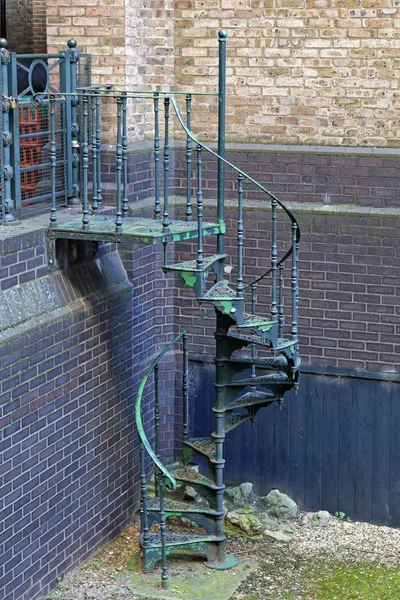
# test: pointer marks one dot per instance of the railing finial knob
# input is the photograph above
(222, 34)
(72, 44)
(3, 43)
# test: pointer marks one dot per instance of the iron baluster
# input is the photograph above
(53, 162)
(222, 35)
(157, 208)
(297, 270)
(124, 157)
(144, 522)
(294, 282)
(253, 346)
(240, 236)
(95, 205)
(7, 170)
(281, 310)
(98, 145)
(185, 389)
(163, 531)
(200, 255)
(157, 408)
(85, 163)
(165, 220)
(118, 158)
(73, 56)
(189, 210)
(274, 261)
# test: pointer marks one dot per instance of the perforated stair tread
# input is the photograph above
(234, 421)
(154, 539)
(260, 361)
(191, 266)
(256, 322)
(219, 291)
(252, 399)
(249, 338)
(192, 477)
(176, 506)
(275, 377)
(205, 446)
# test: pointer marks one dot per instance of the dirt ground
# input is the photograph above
(342, 561)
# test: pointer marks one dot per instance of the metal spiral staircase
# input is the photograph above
(256, 356)
(273, 363)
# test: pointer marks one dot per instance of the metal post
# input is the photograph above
(85, 163)
(124, 157)
(144, 521)
(3, 19)
(53, 162)
(98, 144)
(118, 158)
(7, 170)
(73, 149)
(185, 389)
(294, 282)
(157, 209)
(157, 408)
(240, 236)
(274, 261)
(189, 210)
(281, 310)
(163, 531)
(95, 205)
(200, 256)
(222, 35)
(165, 220)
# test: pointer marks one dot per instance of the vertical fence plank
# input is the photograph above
(381, 455)
(313, 444)
(363, 455)
(346, 457)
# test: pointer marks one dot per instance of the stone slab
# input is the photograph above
(192, 581)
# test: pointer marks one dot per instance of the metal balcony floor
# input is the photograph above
(134, 230)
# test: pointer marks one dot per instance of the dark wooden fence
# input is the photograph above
(333, 446)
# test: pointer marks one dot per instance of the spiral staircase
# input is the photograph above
(256, 354)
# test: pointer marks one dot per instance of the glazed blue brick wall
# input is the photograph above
(69, 471)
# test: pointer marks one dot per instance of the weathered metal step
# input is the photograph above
(234, 421)
(259, 361)
(191, 266)
(278, 377)
(262, 324)
(179, 508)
(252, 399)
(192, 477)
(244, 339)
(203, 446)
(220, 291)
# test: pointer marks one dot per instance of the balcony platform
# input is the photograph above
(135, 230)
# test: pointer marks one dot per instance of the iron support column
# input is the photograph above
(7, 174)
(222, 35)
(73, 148)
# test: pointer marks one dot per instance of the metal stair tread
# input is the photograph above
(251, 399)
(192, 477)
(219, 291)
(203, 445)
(279, 360)
(178, 506)
(277, 376)
(255, 321)
(234, 421)
(256, 339)
(173, 539)
(191, 266)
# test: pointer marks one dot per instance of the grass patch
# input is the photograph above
(355, 582)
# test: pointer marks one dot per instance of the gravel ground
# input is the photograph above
(284, 570)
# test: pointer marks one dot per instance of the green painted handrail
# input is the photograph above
(138, 407)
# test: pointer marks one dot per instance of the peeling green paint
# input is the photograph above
(188, 278)
(227, 306)
(265, 327)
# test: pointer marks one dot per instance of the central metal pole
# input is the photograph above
(222, 35)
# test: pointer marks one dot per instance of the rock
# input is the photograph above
(280, 505)
(191, 495)
(239, 496)
(280, 535)
(317, 519)
(246, 520)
